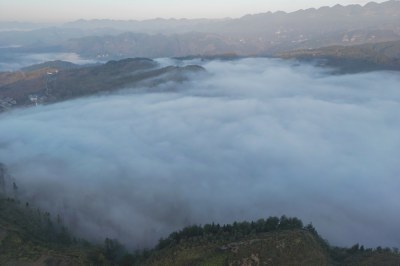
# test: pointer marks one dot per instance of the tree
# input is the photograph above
(271, 224)
(113, 250)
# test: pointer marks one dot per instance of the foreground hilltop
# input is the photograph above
(272, 241)
(58, 81)
(30, 236)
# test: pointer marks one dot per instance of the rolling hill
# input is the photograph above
(352, 59)
(58, 81)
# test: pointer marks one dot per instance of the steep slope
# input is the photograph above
(30, 237)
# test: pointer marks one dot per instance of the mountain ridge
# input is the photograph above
(352, 59)
(254, 34)
(57, 81)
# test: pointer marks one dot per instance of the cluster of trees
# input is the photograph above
(235, 230)
(347, 255)
(40, 228)
(37, 224)
(3, 179)
(116, 253)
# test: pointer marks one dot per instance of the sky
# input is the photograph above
(250, 139)
(67, 10)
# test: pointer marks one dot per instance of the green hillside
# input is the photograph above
(272, 241)
(30, 236)
(352, 59)
(57, 81)
(288, 247)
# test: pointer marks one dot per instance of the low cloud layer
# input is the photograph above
(255, 138)
(10, 61)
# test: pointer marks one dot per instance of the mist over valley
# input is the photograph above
(254, 137)
(269, 138)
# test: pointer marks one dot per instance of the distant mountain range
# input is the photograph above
(259, 34)
(349, 38)
(56, 81)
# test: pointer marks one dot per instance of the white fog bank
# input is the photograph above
(255, 138)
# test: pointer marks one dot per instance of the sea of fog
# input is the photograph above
(251, 139)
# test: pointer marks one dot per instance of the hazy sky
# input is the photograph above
(62, 10)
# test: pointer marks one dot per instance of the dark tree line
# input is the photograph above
(37, 225)
(235, 230)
